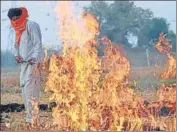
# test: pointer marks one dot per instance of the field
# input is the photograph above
(11, 94)
(146, 86)
(88, 91)
(96, 93)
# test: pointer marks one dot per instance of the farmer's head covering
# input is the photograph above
(18, 17)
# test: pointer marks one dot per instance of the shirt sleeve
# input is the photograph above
(36, 37)
(15, 46)
(16, 50)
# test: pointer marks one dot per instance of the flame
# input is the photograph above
(75, 30)
(35, 112)
(163, 46)
(92, 92)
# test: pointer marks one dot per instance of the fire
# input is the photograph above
(92, 92)
(164, 47)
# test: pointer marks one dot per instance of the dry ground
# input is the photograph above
(11, 93)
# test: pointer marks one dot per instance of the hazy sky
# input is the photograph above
(42, 13)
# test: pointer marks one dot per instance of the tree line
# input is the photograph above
(118, 20)
(121, 19)
(7, 59)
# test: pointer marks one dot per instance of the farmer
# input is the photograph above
(28, 52)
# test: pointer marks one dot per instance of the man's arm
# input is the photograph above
(15, 46)
(18, 58)
(16, 49)
(36, 37)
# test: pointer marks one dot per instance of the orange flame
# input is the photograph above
(92, 92)
(164, 47)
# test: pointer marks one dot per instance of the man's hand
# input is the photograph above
(32, 61)
(19, 59)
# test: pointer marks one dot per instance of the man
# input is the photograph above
(28, 52)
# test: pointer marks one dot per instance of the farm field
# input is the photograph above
(97, 80)
(111, 96)
(11, 94)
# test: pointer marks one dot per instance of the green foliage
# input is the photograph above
(152, 29)
(172, 39)
(168, 81)
(121, 18)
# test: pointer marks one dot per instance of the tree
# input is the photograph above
(172, 39)
(100, 9)
(152, 29)
(119, 19)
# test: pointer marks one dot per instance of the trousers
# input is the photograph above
(30, 85)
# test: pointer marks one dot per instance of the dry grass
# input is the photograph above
(11, 93)
(16, 121)
(10, 90)
(10, 77)
(9, 80)
(139, 72)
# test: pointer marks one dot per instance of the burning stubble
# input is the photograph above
(92, 92)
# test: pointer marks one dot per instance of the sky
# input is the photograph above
(42, 13)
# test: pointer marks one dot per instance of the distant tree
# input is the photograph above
(7, 59)
(151, 30)
(119, 19)
(172, 39)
